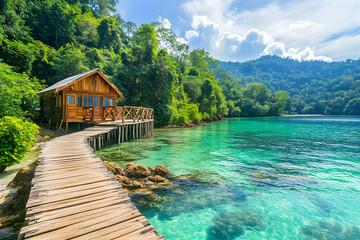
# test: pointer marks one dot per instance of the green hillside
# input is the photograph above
(315, 86)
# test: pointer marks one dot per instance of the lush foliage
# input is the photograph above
(315, 86)
(51, 40)
(16, 137)
(17, 93)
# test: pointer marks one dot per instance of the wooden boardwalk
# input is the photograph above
(74, 196)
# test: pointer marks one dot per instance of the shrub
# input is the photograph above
(16, 137)
(18, 96)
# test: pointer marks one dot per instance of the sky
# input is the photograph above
(243, 30)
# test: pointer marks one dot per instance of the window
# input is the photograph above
(111, 102)
(96, 102)
(85, 100)
(106, 102)
(101, 101)
(90, 98)
(71, 99)
(79, 101)
(58, 101)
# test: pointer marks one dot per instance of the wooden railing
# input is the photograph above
(113, 113)
(134, 113)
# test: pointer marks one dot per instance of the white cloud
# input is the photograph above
(294, 29)
(182, 40)
(236, 47)
(191, 33)
(164, 22)
(303, 24)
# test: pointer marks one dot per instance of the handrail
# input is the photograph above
(119, 113)
(135, 113)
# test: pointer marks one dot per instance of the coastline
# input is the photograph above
(319, 115)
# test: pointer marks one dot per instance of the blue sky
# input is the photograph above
(242, 30)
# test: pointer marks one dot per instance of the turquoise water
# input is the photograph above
(254, 178)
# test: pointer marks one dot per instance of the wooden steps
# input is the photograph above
(74, 196)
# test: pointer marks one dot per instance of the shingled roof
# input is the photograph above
(71, 80)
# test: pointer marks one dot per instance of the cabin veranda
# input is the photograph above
(86, 98)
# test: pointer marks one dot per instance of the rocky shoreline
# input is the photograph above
(13, 203)
(196, 123)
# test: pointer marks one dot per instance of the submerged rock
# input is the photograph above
(127, 183)
(156, 179)
(230, 225)
(115, 169)
(133, 170)
(331, 230)
(161, 170)
(142, 192)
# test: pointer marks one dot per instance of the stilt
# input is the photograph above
(146, 130)
(140, 130)
(122, 134)
(137, 131)
(61, 122)
(99, 143)
(67, 127)
(94, 143)
(126, 132)
(119, 134)
(49, 123)
(133, 130)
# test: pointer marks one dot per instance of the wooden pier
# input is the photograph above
(74, 196)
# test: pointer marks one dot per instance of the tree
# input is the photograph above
(18, 93)
(52, 22)
(109, 34)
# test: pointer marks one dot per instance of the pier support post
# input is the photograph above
(118, 134)
(126, 133)
(122, 133)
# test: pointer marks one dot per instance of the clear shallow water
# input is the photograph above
(254, 178)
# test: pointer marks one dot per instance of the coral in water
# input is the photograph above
(230, 225)
(331, 231)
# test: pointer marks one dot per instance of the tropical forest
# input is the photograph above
(240, 136)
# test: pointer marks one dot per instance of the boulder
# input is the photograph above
(156, 179)
(127, 183)
(133, 170)
(115, 169)
(161, 170)
(142, 192)
(151, 170)
(15, 197)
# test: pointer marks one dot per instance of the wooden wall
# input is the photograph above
(93, 85)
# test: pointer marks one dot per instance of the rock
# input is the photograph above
(162, 185)
(156, 179)
(127, 183)
(133, 170)
(151, 170)
(230, 225)
(161, 170)
(115, 169)
(142, 192)
(15, 196)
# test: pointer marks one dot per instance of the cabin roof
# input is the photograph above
(73, 79)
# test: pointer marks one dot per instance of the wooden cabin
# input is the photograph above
(85, 97)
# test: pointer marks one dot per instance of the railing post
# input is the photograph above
(123, 115)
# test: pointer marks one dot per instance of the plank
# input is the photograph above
(75, 196)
